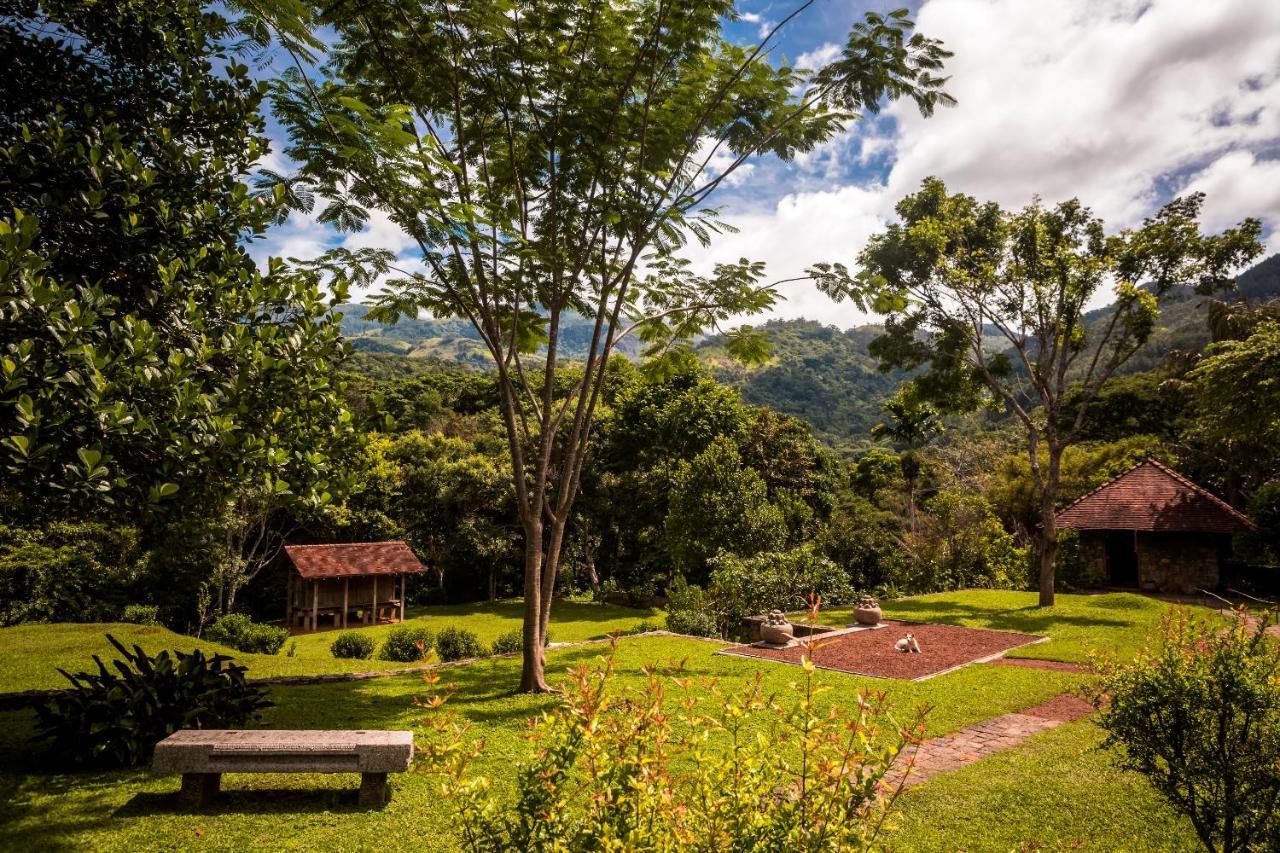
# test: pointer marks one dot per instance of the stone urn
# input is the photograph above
(776, 629)
(867, 612)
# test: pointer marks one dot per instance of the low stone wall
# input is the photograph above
(751, 629)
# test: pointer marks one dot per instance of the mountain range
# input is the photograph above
(817, 372)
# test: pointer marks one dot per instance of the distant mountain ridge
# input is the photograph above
(818, 373)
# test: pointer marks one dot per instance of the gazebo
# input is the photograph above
(362, 578)
(1153, 529)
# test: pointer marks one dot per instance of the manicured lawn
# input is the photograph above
(31, 654)
(1057, 788)
(1116, 623)
(1057, 791)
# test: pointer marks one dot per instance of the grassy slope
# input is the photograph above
(1115, 623)
(29, 654)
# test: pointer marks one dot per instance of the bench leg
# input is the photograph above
(373, 789)
(199, 789)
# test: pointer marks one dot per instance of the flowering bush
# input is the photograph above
(643, 770)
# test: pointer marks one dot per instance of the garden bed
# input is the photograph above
(942, 648)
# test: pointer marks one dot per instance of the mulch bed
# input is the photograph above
(1029, 663)
(942, 647)
(1065, 709)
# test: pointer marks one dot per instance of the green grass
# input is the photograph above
(1056, 788)
(1058, 791)
(31, 654)
(1115, 623)
(134, 810)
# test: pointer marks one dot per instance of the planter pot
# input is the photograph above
(776, 634)
(867, 613)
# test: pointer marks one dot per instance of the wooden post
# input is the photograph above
(315, 602)
(346, 589)
(288, 599)
(373, 615)
(404, 579)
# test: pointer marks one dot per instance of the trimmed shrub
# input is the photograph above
(458, 643)
(508, 643)
(115, 717)
(689, 612)
(352, 644)
(643, 627)
(243, 634)
(406, 644)
(140, 614)
(779, 580)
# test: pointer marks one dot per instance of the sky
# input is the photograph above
(1123, 104)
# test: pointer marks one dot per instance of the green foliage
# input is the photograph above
(146, 361)
(689, 610)
(406, 644)
(962, 545)
(716, 501)
(1264, 509)
(115, 717)
(865, 542)
(243, 634)
(458, 643)
(140, 614)
(612, 768)
(68, 571)
(1199, 716)
(352, 645)
(782, 580)
(508, 643)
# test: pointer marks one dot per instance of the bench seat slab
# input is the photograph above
(284, 751)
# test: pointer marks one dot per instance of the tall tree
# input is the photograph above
(551, 159)
(912, 422)
(994, 303)
(145, 358)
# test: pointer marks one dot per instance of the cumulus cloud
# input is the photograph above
(1120, 103)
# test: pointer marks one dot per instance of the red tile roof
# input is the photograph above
(1151, 496)
(354, 559)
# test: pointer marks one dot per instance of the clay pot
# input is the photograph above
(776, 634)
(776, 629)
(867, 612)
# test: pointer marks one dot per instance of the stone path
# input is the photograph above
(955, 750)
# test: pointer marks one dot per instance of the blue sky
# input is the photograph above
(1122, 103)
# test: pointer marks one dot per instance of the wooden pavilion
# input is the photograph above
(1153, 529)
(363, 580)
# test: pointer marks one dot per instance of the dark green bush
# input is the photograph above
(458, 643)
(65, 572)
(141, 614)
(782, 580)
(351, 644)
(689, 612)
(115, 718)
(243, 634)
(406, 644)
(508, 643)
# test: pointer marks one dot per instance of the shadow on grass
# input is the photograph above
(1029, 619)
(260, 801)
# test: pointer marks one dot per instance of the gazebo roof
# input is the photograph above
(354, 559)
(1153, 497)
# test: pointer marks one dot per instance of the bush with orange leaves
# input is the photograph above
(651, 769)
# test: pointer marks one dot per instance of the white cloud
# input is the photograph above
(818, 57)
(1110, 102)
(750, 17)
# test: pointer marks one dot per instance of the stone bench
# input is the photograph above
(202, 756)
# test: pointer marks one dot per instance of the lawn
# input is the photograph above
(1116, 623)
(1055, 788)
(31, 654)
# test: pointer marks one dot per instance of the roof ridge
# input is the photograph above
(1117, 478)
(1200, 489)
(349, 544)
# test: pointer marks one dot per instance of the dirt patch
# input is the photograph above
(1065, 709)
(1055, 665)
(942, 647)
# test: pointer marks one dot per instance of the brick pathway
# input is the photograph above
(953, 751)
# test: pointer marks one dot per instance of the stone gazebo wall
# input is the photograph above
(1177, 562)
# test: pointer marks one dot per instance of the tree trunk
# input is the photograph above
(550, 567)
(1048, 542)
(533, 673)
